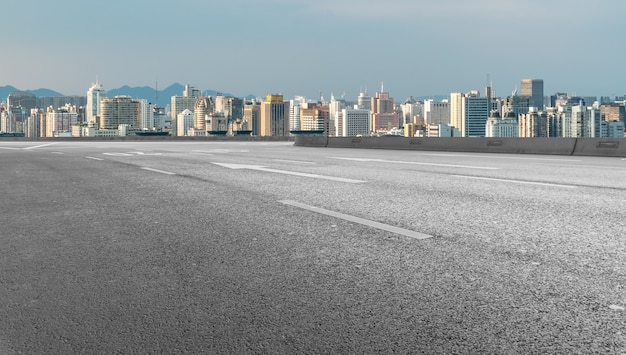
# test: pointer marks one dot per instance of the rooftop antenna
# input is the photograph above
(156, 92)
(382, 86)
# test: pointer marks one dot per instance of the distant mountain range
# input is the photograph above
(145, 92)
(149, 93)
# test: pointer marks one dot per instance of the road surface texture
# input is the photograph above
(267, 248)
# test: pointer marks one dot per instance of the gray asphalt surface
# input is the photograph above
(153, 247)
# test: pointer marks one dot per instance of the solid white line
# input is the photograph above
(315, 176)
(516, 181)
(417, 163)
(363, 221)
(60, 153)
(159, 171)
(10, 148)
(39, 146)
(293, 161)
(94, 158)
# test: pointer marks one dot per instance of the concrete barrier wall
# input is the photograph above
(552, 146)
(603, 147)
(154, 138)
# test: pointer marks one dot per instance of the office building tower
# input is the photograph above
(181, 103)
(184, 122)
(364, 101)
(436, 112)
(146, 115)
(314, 118)
(456, 110)
(119, 110)
(475, 110)
(203, 107)
(274, 120)
(613, 111)
(498, 126)
(59, 121)
(533, 88)
(33, 126)
(411, 111)
(251, 118)
(384, 117)
(294, 112)
(532, 124)
(94, 95)
(355, 122)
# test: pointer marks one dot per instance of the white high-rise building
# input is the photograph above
(294, 112)
(436, 112)
(94, 95)
(355, 122)
(147, 115)
(184, 122)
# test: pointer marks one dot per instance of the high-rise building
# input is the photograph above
(94, 95)
(364, 101)
(59, 121)
(203, 107)
(532, 124)
(533, 88)
(181, 103)
(184, 122)
(436, 112)
(314, 118)
(475, 114)
(355, 122)
(501, 127)
(294, 112)
(456, 110)
(251, 118)
(384, 117)
(119, 110)
(412, 111)
(613, 111)
(469, 113)
(274, 120)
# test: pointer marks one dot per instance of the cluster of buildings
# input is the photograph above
(527, 114)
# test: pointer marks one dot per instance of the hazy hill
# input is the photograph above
(6, 90)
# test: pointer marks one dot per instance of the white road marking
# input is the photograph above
(142, 153)
(118, 154)
(515, 181)
(293, 161)
(93, 158)
(363, 221)
(60, 153)
(262, 168)
(10, 148)
(39, 146)
(496, 156)
(417, 163)
(159, 171)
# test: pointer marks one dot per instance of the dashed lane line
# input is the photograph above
(363, 221)
(158, 171)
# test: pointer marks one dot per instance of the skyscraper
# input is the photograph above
(181, 103)
(533, 88)
(119, 110)
(274, 116)
(95, 93)
(384, 118)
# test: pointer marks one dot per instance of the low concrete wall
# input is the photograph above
(154, 138)
(603, 147)
(551, 146)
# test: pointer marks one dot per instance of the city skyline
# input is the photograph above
(304, 47)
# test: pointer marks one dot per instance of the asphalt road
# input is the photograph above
(247, 248)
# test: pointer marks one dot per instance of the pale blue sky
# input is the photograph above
(301, 47)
